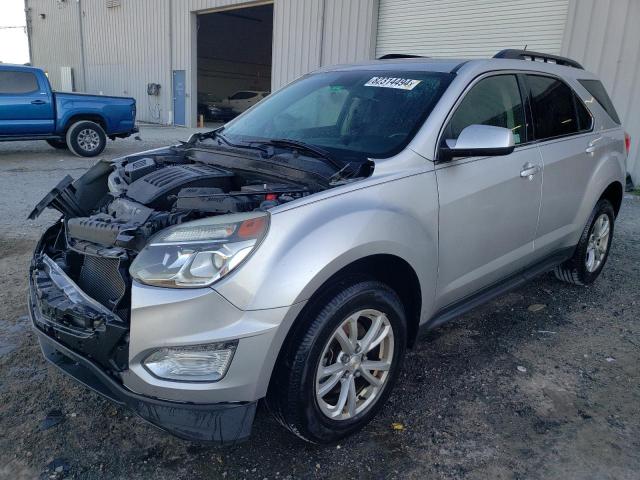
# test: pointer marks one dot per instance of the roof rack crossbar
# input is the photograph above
(514, 54)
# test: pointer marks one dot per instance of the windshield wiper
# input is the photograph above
(305, 147)
(217, 135)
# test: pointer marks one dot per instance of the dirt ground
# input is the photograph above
(506, 392)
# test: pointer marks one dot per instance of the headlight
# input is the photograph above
(198, 363)
(196, 254)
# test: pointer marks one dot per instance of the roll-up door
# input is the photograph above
(469, 28)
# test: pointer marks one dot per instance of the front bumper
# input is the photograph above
(87, 342)
(223, 423)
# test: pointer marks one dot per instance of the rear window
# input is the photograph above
(595, 88)
(557, 110)
(12, 82)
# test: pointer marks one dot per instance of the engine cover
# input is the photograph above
(156, 188)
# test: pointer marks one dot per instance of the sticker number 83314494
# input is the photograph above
(392, 82)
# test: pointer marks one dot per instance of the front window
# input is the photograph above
(354, 115)
(492, 101)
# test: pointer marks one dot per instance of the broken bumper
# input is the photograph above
(68, 324)
(223, 423)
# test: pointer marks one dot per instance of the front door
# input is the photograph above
(488, 206)
(179, 97)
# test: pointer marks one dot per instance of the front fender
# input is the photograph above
(305, 246)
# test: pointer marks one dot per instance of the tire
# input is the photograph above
(579, 269)
(294, 389)
(58, 144)
(86, 138)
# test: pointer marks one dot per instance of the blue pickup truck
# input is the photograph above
(30, 110)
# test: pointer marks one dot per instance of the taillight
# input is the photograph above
(627, 142)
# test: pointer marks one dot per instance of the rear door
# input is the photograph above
(568, 145)
(26, 106)
(488, 206)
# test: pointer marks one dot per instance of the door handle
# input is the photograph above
(38, 102)
(529, 170)
(591, 148)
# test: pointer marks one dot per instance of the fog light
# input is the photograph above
(196, 363)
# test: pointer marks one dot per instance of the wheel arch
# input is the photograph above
(614, 193)
(392, 270)
(389, 269)
(90, 117)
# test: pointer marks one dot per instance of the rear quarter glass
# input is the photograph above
(596, 88)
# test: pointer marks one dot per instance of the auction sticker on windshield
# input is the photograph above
(392, 82)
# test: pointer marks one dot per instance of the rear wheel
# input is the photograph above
(86, 138)
(337, 372)
(58, 144)
(592, 251)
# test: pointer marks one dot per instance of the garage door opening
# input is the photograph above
(234, 61)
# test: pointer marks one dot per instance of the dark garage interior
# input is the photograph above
(234, 60)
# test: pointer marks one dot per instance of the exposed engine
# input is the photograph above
(144, 195)
(110, 212)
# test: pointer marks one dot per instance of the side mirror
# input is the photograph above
(479, 141)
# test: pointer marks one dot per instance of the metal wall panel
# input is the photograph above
(469, 28)
(349, 31)
(55, 39)
(297, 39)
(126, 47)
(604, 36)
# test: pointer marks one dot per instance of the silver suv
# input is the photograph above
(296, 253)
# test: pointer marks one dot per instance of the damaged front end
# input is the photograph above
(80, 280)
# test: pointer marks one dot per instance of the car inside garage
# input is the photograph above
(234, 60)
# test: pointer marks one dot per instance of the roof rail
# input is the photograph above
(514, 54)
(391, 56)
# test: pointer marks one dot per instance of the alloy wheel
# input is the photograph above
(354, 366)
(598, 243)
(88, 140)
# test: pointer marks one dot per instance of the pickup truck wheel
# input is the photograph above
(341, 364)
(593, 249)
(86, 138)
(58, 144)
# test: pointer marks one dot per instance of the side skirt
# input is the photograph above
(487, 294)
(25, 138)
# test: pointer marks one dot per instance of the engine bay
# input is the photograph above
(120, 205)
(110, 213)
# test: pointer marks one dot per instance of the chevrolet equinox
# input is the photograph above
(294, 254)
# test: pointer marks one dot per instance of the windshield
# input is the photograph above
(354, 115)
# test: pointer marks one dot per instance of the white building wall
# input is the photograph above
(469, 28)
(126, 47)
(55, 39)
(604, 36)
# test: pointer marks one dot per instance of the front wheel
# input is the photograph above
(86, 138)
(339, 369)
(593, 248)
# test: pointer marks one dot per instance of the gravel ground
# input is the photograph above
(506, 392)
